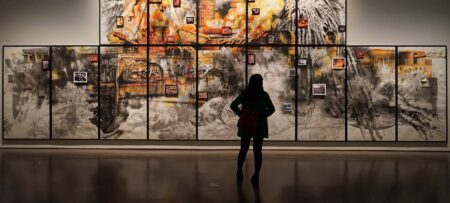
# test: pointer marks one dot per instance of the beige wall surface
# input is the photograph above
(76, 22)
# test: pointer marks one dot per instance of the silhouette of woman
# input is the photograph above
(254, 97)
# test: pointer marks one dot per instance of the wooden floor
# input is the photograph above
(209, 176)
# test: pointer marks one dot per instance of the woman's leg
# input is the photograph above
(245, 143)
(257, 151)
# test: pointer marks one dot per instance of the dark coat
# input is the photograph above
(265, 109)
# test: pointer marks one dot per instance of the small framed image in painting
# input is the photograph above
(251, 59)
(425, 83)
(226, 30)
(291, 73)
(203, 96)
(338, 63)
(319, 89)
(302, 62)
(93, 58)
(190, 20)
(342, 28)
(171, 90)
(270, 39)
(45, 65)
(10, 78)
(256, 11)
(80, 77)
(119, 21)
(302, 23)
(360, 55)
(155, 1)
(288, 107)
(176, 3)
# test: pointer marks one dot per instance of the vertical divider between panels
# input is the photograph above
(296, 69)
(50, 62)
(148, 93)
(446, 93)
(396, 93)
(196, 47)
(98, 90)
(246, 43)
(346, 25)
(346, 93)
(3, 93)
(147, 70)
(148, 22)
(346, 72)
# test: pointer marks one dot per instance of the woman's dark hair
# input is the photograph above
(255, 87)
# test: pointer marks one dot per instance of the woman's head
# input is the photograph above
(255, 85)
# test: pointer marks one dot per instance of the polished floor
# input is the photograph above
(209, 176)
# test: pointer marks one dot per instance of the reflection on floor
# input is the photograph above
(209, 176)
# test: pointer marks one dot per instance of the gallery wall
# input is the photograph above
(368, 23)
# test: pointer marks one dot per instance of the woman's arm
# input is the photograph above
(270, 109)
(235, 105)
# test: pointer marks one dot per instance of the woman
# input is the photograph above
(254, 97)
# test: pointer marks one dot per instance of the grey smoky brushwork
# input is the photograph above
(74, 106)
(371, 94)
(324, 18)
(321, 117)
(422, 94)
(26, 93)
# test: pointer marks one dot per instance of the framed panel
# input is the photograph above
(221, 79)
(173, 21)
(123, 92)
(275, 66)
(321, 22)
(271, 22)
(371, 102)
(172, 93)
(321, 94)
(222, 22)
(74, 92)
(123, 21)
(26, 92)
(422, 93)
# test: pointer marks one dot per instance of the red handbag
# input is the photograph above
(248, 120)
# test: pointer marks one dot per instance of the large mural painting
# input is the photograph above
(169, 70)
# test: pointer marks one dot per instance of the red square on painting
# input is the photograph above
(203, 96)
(360, 55)
(338, 63)
(93, 57)
(176, 3)
(227, 31)
(302, 23)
